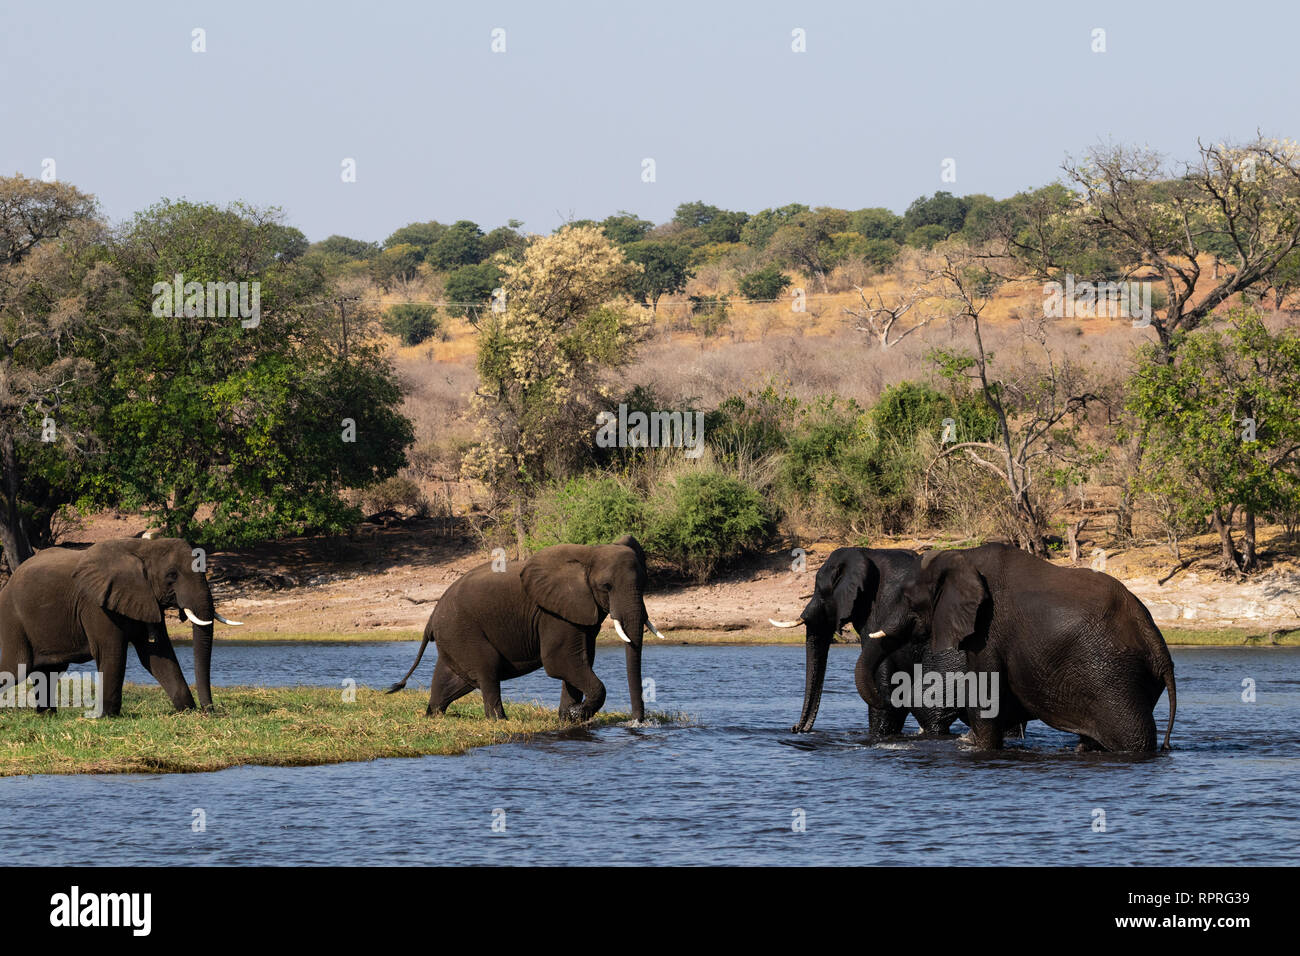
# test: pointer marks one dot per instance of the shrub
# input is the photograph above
(396, 493)
(909, 408)
(767, 283)
(709, 314)
(706, 518)
(586, 511)
(751, 425)
(412, 322)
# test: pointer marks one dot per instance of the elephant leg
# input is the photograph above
(12, 665)
(108, 646)
(48, 701)
(884, 721)
(447, 686)
(159, 659)
(985, 733)
(570, 697)
(1127, 732)
(491, 689)
(1086, 745)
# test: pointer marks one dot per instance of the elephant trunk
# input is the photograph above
(202, 634)
(633, 652)
(630, 625)
(816, 645)
(873, 652)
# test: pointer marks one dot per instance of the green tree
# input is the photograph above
(460, 245)
(625, 228)
(58, 301)
(665, 270)
(942, 209)
(1218, 426)
(469, 288)
(412, 322)
(345, 248)
(421, 235)
(760, 227)
(261, 417)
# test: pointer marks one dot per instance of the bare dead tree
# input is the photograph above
(1027, 410)
(883, 319)
(1238, 204)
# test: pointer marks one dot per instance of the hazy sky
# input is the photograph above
(558, 125)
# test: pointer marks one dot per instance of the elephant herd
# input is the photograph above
(990, 635)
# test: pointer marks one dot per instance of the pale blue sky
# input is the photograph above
(557, 126)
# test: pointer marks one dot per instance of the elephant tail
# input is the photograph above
(1173, 704)
(428, 636)
(1162, 666)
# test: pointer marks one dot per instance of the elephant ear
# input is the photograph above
(860, 577)
(556, 578)
(630, 542)
(961, 593)
(115, 579)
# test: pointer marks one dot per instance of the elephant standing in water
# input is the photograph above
(1068, 646)
(492, 625)
(66, 607)
(864, 587)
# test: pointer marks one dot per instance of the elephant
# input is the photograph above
(65, 606)
(864, 587)
(499, 622)
(1071, 647)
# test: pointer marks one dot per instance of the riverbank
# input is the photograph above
(1174, 636)
(277, 727)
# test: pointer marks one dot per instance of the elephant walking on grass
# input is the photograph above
(65, 607)
(493, 625)
(864, 587)
(1071, 647)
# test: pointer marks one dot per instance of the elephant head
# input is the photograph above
(861, 587)
(138, 578)
(585, 583)
(951, 599)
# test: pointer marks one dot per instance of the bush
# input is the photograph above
(398, 493)
(909, 408)
(412, 322)
(709, 314)
(767, 283)
(586, 511)
(706, 518)
(750, 426)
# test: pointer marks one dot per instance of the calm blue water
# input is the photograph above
(722, 789)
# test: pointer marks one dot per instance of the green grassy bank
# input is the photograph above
(277, 727)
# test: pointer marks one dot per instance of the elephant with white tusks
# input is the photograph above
(66, 607)
(500, 622)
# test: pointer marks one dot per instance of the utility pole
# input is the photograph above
(341, 301)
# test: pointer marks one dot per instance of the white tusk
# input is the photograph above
(231, 623)
(876, 635)
(654, 630)
(619, 628)
(784, 623)
(194, 620)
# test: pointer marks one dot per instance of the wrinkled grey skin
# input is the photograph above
(863, 587)
(491, 626)
(1069, 646)
(66, 607)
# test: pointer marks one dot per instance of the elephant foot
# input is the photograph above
(577, 714)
